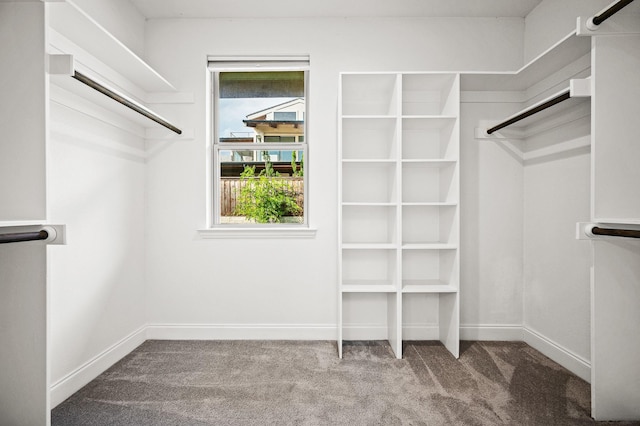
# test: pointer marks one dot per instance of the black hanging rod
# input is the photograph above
(628, 233)
(528, 113)
(125, 101)
(23, 236)
(615, 8)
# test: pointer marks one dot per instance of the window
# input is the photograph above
(285, 115)
(259, 145)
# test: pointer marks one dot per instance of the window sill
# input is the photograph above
(239, 232)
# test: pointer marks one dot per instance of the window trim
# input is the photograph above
(215, 229)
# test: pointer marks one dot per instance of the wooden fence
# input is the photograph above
(230, 189)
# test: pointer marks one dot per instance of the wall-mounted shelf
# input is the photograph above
(551, 111)
(427, 286)
(566, 51)
(72, 34)
(368, 287)
(71, 22)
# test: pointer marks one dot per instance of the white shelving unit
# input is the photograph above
(399, 203)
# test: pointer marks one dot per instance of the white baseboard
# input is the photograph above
(497, 332)
(74, 381)
(572, 362)
(364, 332)
(242, 332)
(380, 332)
(420, 332)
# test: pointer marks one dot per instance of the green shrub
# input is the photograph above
(265, 198)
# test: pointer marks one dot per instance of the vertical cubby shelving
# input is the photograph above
(398, 209)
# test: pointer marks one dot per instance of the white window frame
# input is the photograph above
(214, 228)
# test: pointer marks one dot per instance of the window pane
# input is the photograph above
(279, 138)
(284, 115)
(266, 84)
(256, 108)
(258, 186)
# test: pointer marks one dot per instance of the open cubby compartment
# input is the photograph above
(430, 94)
(429, 138)
(369, 138)
(369, 182)
(430, 270)
(430, 224)
(369, 224)
(420, 316)
(369, 94)
(369, 269)
(429, 183)
(372, 316)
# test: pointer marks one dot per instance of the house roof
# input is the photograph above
(273, 123)
(278, 107)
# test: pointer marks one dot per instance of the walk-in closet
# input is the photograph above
(448, 177)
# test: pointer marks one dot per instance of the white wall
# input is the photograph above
(557, 293)
(96, 187)
(491, 229)
(96, 281)
(287, 288)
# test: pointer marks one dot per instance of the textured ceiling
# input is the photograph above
(154, 9)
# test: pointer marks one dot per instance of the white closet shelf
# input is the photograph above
(369, 204)
(567, 50)
(429, 162)
(12, 223)
(438, 120)
(427, 286)
(367, 286)
(430, 204)
(373, 117)
(369, 246)
(429, 246)
(554, 116)
(73, 23)
(368, 160)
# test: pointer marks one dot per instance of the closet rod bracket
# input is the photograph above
(602, 231)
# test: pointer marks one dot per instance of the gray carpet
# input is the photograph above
(199, 383)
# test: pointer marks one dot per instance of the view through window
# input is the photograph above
(260, 148)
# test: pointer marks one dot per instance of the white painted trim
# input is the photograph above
(257, 232)
(563, 356)
(381, 332)
(496, 332)
(365, 332)
(420, 332)
(75, 380)
(242, 331)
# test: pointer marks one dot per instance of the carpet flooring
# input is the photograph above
(198, 383)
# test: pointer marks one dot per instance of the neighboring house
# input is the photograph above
(280, 123)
